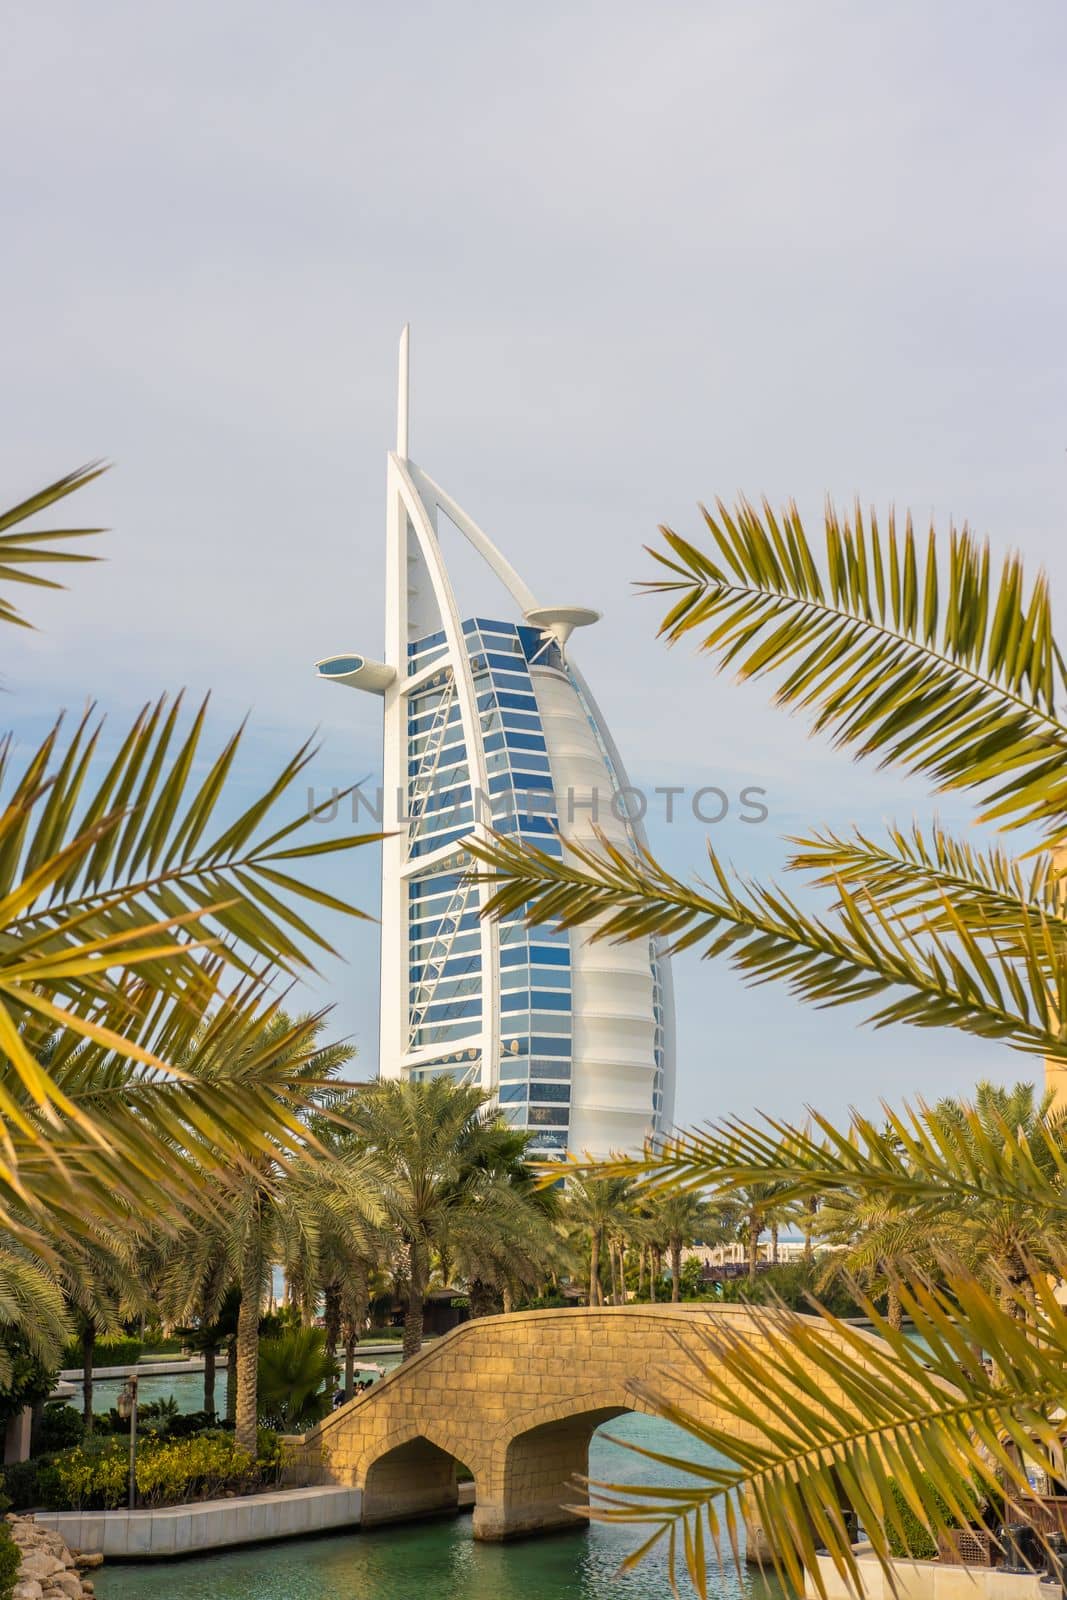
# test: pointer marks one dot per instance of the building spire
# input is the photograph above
(402, 396)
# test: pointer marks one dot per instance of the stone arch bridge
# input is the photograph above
(516, 1399)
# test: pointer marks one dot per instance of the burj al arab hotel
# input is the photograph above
(489, 723)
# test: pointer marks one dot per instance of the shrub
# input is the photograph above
(90, 1477)
(297, 1377)
(61, 1427)
(193, 1469)
(10, 1562)
(190, 1422)
(20, 1483)
(916, 1541)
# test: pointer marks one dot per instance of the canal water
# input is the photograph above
(441, 1559)
(186, 1389)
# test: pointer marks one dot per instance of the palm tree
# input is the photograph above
(271, 1209)
(124, 894)
(598, 1208)
(933, 662)
(441, 1157)
(518, 1256)
(677, 1219)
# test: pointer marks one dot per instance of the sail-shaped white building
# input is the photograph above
(489, 723)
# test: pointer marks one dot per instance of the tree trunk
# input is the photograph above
(418, 1277)
(641, 1271)
(894, 1314)
(594, 1269)
(332, 1316)
(811, 1207)
(653, 1273)
(88, 1343)
(507, 1299)
(231, 1381)
(753, 1244)
(350, 1368)
(209, 1378)
(613, 1265)
(676, 1267)
(247, 1416)
(774, 1243)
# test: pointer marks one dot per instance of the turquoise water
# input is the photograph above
(187, 1388)
(441, 1559)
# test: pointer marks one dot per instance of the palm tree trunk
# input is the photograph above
(753, 1244)
(231, 1381)
(350, 1367)
(88, 1343)
(675, 1247)
(894, 1313)
(653, 1273)
(247, 1416)
(594, 1268)
(332, 1315)
(774, 1243)
(209, 1378)
(508, 1299)
(414, 1315)
(613, 1264)
(641, 1271)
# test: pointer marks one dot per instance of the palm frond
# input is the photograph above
(815, 1417)
(911, 1157)
(933, 663)
(854, 955)
(911, 876)
(24, 553)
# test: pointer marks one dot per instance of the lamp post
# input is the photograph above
(127, 1409)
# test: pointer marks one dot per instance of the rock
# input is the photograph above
(70, 1584)
(40, 1564)
(27, 1589)
(88, 1586)
(87, 1559)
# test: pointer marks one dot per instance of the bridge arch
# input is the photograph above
(515, 1398)
(411, 1476)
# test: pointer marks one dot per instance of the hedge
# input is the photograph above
(917, 1542)
(106, 1353)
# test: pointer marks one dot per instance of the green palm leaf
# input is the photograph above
(927, 661)
(815, 1412)
(854, 955)
(23, 553)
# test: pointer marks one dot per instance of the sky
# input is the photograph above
(650, 255)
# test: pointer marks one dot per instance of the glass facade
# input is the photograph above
(445, 996)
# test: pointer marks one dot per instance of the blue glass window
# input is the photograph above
(544, 1001)
(551, 1091)
(510, 1092)
(548, 956)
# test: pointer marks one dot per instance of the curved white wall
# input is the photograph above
(613, 1062)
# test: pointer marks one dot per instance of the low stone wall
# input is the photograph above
(50, 1569)
(934, 1580)
(208, 1524)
